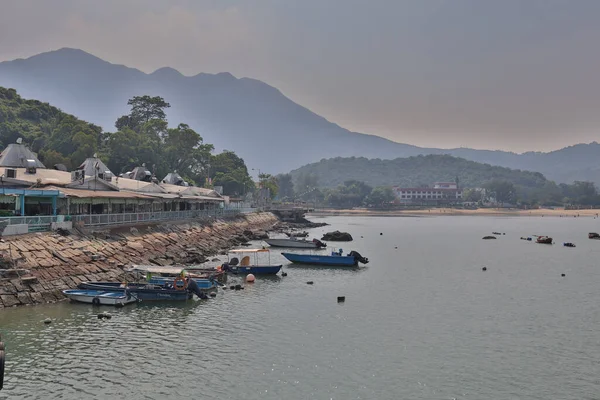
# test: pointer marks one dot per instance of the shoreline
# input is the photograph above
(35, 268)
(436, 212)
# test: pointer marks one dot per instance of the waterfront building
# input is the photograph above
(440, 193)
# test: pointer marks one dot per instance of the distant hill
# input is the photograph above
(270, 131)
(414, 172)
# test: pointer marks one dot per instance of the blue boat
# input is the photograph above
(336, 259)
(244, 267)
(144, 292)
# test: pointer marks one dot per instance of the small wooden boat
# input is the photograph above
(593, 235)
(100, 297)
(295, 243)
(544, 240)
(336, 259)
(244, 267)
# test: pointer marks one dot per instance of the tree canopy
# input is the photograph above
(142, 137)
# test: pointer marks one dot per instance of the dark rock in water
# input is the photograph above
(309, 282)
(47, 321)
(489, 237)
(563, 275)
(337, 236)
(232, 287)
(215, 260)
(484, 269)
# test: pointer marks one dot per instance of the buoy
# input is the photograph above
(250, 278)
(341, 299)
(47, 321)
(107, 315)
(563, 275)
(396, 247)
(380, 233)
(309, 282)
(232, 287)
(284, 274)
(238, 287)
(484, 269)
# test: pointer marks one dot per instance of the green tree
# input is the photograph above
(503, 191)
(184, 151)
(286, 186)
(143, 110)
(227, 169)
(380, 197)
(268, 181)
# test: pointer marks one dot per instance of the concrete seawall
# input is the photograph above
(35, 268)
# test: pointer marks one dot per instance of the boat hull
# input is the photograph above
(329, 261)
(100, 297)
(141, 291)
(256, 269)
(291, 243)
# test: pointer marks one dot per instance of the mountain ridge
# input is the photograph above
(269, 130)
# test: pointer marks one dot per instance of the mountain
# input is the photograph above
(270, 131)
(413, 172)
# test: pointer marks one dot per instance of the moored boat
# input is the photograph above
(100, 297)
(593, 235)
(144, 292)
(544, 240)
(238, 267)
(296, 244)
(336, 259)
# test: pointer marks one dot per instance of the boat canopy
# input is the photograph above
(249, 251)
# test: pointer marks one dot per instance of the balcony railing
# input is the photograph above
(42, 223)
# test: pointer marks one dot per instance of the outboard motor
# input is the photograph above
(319, 243)
(358, 257)
(194, 288)
(225, 267)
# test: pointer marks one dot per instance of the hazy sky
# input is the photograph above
(509, 74)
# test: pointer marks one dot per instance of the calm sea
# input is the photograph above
(421, 321)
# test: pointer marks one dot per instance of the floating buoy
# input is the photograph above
(47, 321)
(250, 278)
(341, 299)
(309, 282)
(484, 269)
(563, 275)
(396, 247)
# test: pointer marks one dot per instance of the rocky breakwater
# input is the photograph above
(34, 268)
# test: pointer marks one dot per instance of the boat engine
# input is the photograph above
(194, 288)
(319, 243)
(358, 257)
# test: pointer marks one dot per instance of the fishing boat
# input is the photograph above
(295, 243)
(100, 297)
(244, 267)
(336, 259)
(143, 291)
(544, 240)
(593, 235)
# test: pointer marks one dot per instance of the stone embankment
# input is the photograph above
(34, 268)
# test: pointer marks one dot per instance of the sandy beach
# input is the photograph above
(508, 212)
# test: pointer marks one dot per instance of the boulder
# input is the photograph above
(337, 236)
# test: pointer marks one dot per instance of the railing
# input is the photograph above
(42, 223)
(145, 217)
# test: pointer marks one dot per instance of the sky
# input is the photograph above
(515, 75)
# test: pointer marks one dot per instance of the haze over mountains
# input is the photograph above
(267, 129)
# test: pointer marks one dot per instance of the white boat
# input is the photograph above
(295, 243)
(99, 297)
